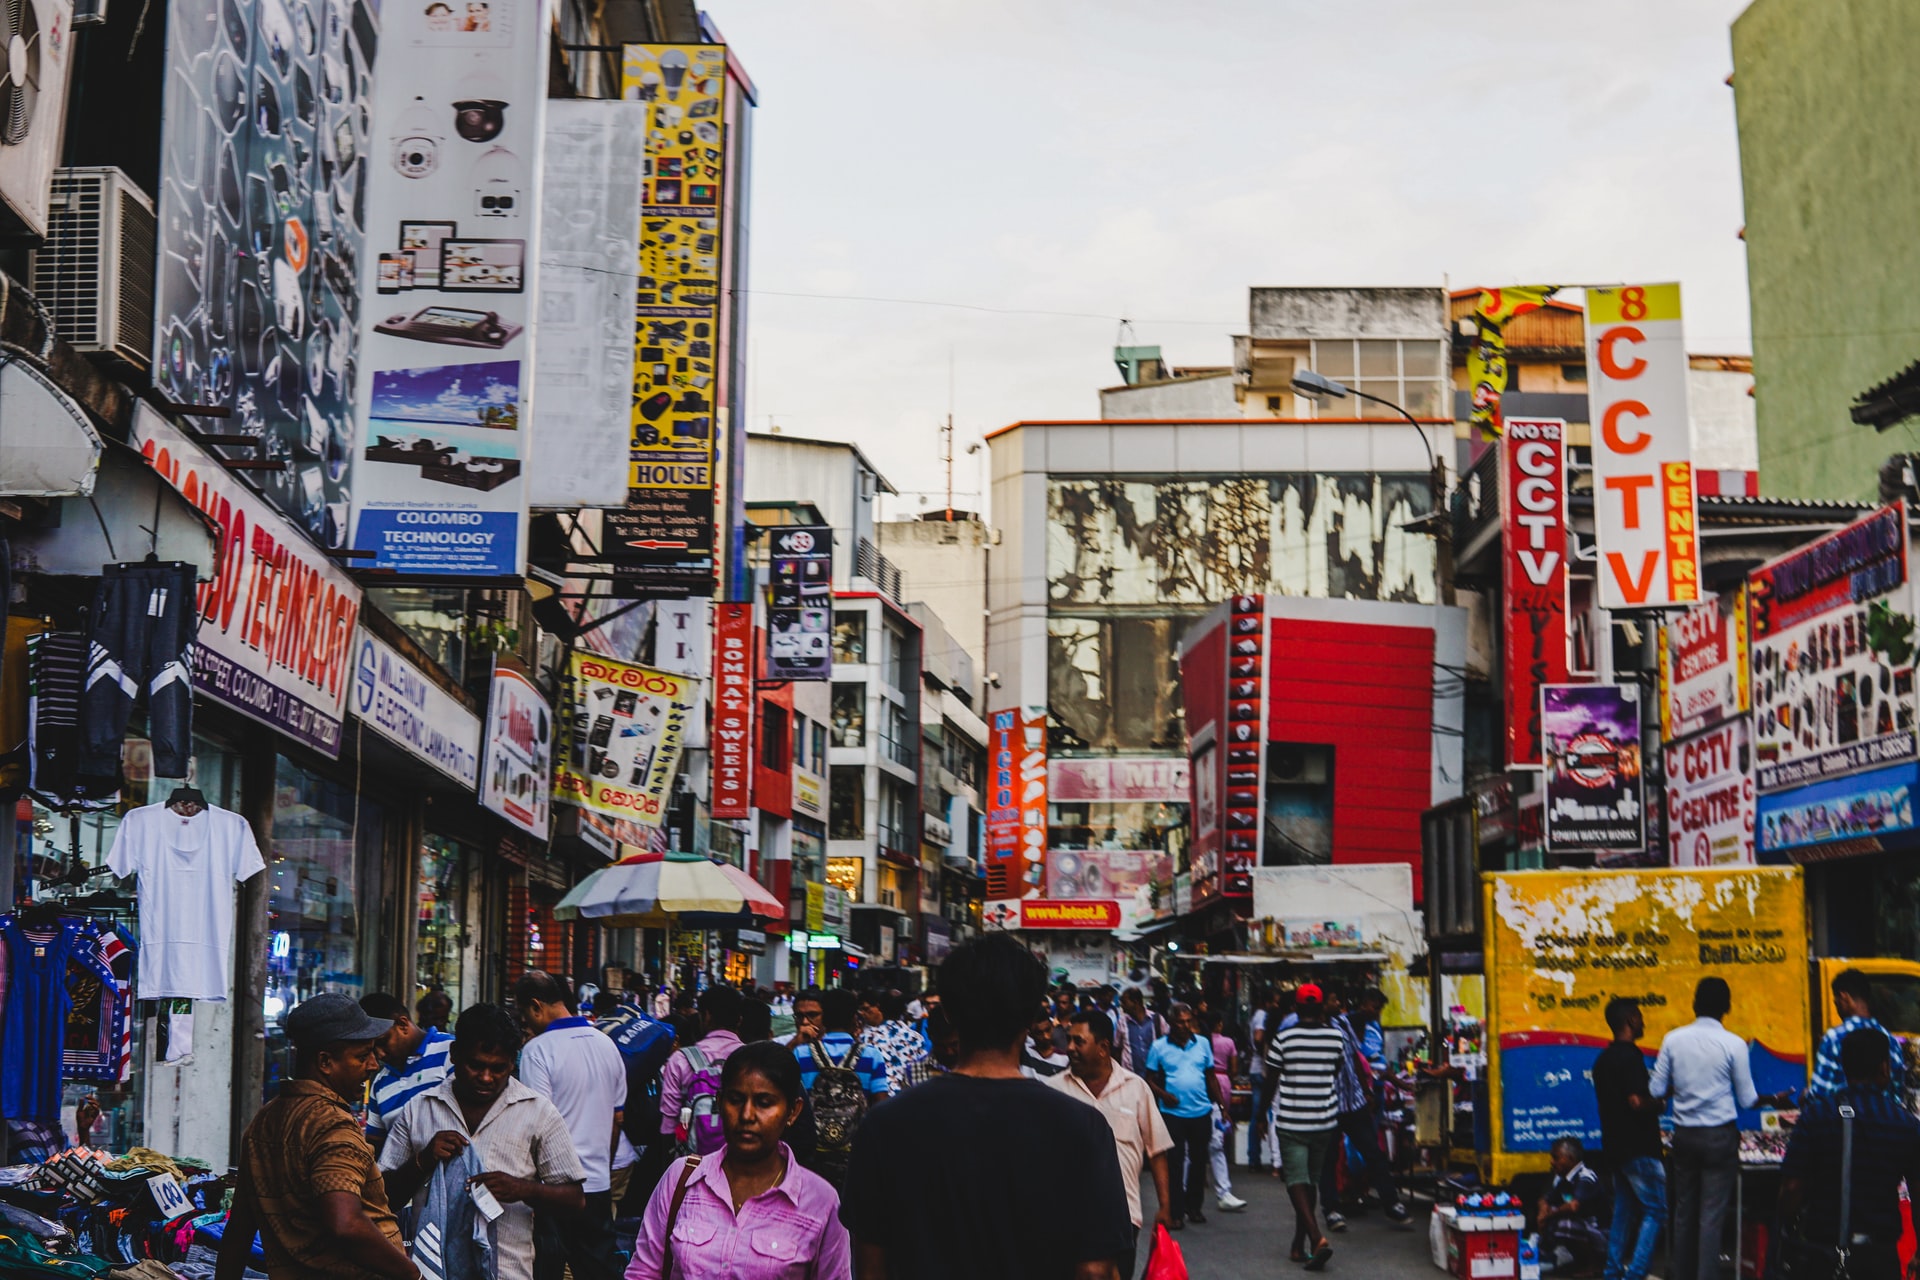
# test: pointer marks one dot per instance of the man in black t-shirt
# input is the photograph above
(981, 1172)
(1630, 1144)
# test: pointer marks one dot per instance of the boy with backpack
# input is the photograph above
(842, 1078)
(690, 1082)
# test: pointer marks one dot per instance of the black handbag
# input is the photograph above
(1803, 1259)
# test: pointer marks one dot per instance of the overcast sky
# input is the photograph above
(1115, 158)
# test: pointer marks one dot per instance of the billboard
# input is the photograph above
(1533, 569)
(589, 241)
(1710, 811)
(1643, 506)
(1833, 655)
(450, 272)
(1862, 806)
(623, 737)
(800, 603)
(264, 156)
(516, 779)
(1703, 666)
(1120, 780)
(732, 710)
(665, 540)
(276, 624)
(1487, 358)
(1591, 733)
(1139, 880)
(402, 704)
(1016, 802)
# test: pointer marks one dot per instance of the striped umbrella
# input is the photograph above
(648, 891)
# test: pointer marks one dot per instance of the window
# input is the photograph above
(1299, 822)
(848, 874)
(1573, 373)
(847, 803)
(773, 737)
(799, 740)
(1113, 684)
(1408, 372)
(1273, 404)
(849, 715)
(849, 637)
(896, 735)
(957, 753)
(819, 748)
(898, 651)
(896, 817)
(435, 618)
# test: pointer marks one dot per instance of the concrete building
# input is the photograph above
(943, 564)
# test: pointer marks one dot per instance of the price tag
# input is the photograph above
(172, 1201)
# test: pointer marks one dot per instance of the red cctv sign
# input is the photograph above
(1534, 570)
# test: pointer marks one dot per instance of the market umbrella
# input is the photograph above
(648, 891)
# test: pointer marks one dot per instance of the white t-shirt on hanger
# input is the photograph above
(187, 869)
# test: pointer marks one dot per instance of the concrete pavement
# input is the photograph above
(1253, 1242)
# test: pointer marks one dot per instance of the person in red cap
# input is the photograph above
(1306, 1059)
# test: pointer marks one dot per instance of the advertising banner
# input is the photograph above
(1564, 943)
(589, 241)
(1594, 788)
(667, 538)
(732, 710)
(1533, 567)
(263, 146)
(1016, 802)
(277, 624)
(800, 603)
(1487, 358)
(1643, 506)
(400, 702)
(517, 774)
(1710, 797)
(450, 273)
(1864, 806)
(1833, 655)
(1139, 880)
(1703, 666)
(1120, 781)
(624, 728)
(1246, 734)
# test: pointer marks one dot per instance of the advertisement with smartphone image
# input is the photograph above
(800, 604)
(624, 728)
(448, 283)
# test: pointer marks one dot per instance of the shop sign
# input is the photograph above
(1533, 565)
(399, 701)
(816, 906)
(1833, 655)
(623, 737)
(1315, 935)
(886, 945)
(751, 941)
(1246, 734)
(1710, 813)
(835, 912)
(1016, 802)
(1141, 880)
(1703, 666)
(1084, 962)
(1594, 787)
(1643, 506)
(809, 794)
(277, 622)
(732, 710)
(1118, 781)
(800, 603)
(1055, 913)
(517, 782)
(1864, 807)
(449, 277)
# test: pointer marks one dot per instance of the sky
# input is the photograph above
(1045, 168)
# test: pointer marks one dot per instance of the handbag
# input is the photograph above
(1803, 1259)
(673, 1216)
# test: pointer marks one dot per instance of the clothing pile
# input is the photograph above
(82, 1214)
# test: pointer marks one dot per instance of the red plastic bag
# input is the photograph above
(1166, 1261)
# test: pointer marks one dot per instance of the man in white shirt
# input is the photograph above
(1704, 1070)
(1140, 1135)
(568, 1062)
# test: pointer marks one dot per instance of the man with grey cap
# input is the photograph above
(308, 1180)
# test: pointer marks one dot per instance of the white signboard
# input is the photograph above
(398, 701)
(1703, 666)
(589, 243)
(1643, 506)
(1710, 798)
(449, 274)
(517, 782)
(277, 624)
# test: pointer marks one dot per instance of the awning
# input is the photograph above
(48, 447)
(130, 512)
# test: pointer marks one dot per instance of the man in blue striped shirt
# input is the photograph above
(414, 1060)
(1853, 1000)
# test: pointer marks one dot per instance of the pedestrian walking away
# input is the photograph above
(1305, 1060)
(1703, 1070)
(748, 1211)
(982, 1172)
(308, 1182)
(1180, 1070)
(1853, 1001)
(690, 1082)
(1630, 1145)
(1220, 1135)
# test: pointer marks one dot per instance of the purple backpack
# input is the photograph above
(700, 1109)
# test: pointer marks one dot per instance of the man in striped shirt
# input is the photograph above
(414, 1060)
(1306, 1060)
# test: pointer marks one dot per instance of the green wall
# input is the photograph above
(1828, 102)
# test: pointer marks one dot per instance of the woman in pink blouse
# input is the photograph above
(748, 1211)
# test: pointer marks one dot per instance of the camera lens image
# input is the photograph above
(479, 119)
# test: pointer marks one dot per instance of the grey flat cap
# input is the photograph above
(331, 1016)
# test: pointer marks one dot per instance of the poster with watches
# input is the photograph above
(800, 603)
(449, 279)
(623, 736)
(1832, 629)
(677, 356)
(263, 160)
(1596, 798)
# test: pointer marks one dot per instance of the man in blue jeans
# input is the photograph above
(1630, 1142)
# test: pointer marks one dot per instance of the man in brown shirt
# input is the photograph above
(308, 1180)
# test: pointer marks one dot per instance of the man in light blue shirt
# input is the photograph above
(1703, 1069)
(1180, 1073)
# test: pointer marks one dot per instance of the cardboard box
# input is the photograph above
(1478, 1247)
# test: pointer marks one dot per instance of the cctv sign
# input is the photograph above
(1534, 574)
(1643, 507)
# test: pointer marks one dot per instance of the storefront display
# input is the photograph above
(440, 931)
(187, 857)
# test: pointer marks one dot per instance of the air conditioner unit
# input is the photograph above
(94, 274)
(904, 930)
(36, 53)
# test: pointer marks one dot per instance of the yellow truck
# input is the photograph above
(1561, 944)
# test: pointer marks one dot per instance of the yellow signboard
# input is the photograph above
(816, 906)
(1564, 943)
(622, 742)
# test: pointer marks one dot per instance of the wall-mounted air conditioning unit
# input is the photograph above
(94, 274)
(36, 53)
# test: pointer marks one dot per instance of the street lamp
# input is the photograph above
(1439, 522)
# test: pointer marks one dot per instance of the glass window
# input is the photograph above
(1423, 398)
(896, 735)
(896, 822)
(849, 715)
(1387, 390)
(897, 650)
(847, 803)
(819, 747)
(799, 740)
(850, 637)
(1299, 824)
(1098, 701)
(1379, 358)
(1334, 358)
(440, 931)
(773, 737)
(435, 618)
(809, 858)
(848, 874)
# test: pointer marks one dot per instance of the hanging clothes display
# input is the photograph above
(38, 1003)
(144, 620)
(188, 865)
(57, 662)
(100, 1025)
